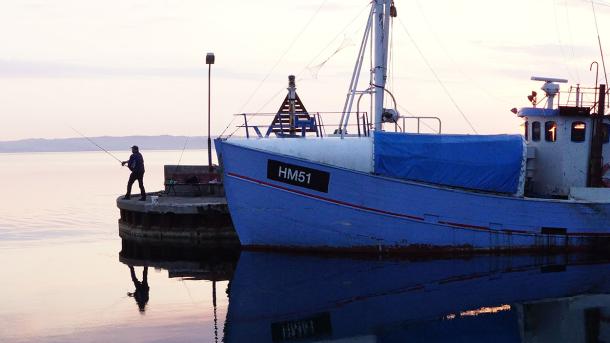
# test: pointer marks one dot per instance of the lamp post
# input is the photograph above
(209, 60)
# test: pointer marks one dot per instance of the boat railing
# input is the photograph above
(583, 97)
(326, 124)
(263, 125)
(420, 121)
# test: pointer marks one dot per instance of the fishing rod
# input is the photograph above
(92, 142)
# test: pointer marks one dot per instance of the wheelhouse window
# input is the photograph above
(579, 130)
(550, 131)
(526, 130)
(536, 131)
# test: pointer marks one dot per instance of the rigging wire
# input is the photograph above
(457, 107)
(602, 3)
(571, 36)
(559, 41)
(294, 40)
(456, 66)
(257, 111)
(599, 42)
(391, 56)
(315, 70)
(334, 38)
(308, 66)
(371, 76)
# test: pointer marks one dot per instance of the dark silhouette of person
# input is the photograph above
(142, 289)
(136, 165)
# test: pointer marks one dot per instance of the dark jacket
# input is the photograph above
(136, 163)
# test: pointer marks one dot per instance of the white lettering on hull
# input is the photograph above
(294, 175)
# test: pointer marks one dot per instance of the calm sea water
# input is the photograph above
(68, 277)
(62, 280)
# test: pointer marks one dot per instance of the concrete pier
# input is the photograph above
(197, 220)
(196, 214)
(201, 220)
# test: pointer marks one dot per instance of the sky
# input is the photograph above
(137, 67)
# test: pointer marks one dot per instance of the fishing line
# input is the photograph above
(92, 142)
(182, 153)
(183, 148)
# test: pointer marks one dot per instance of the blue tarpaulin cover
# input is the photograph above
(488, 163)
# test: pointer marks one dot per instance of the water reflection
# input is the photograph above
(301, 298)
(181, 261)
(187, 262)
(282, 298)
(142, 289)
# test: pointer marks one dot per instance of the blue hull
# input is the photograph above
(362, 211)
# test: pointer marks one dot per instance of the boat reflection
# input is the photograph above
(276, 297)
(284, 298)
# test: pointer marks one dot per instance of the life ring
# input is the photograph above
(606, 179)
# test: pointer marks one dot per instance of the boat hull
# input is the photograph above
(365, 212)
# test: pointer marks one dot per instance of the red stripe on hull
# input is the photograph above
(409, 216)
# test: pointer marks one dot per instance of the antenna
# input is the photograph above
(550, 87)
(548, 79)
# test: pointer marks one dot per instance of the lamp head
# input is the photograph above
(209, 58)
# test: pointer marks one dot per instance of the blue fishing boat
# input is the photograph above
(294, 187)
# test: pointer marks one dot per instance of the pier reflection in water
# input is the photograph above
(277, 297)
(188, 263)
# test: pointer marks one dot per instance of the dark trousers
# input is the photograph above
(132, 178)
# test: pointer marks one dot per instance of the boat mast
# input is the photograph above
(382, 32)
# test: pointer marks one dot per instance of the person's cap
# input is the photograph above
(135, 147)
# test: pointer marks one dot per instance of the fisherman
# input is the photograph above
(136, 165)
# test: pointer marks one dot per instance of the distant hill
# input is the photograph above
(109, 143)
